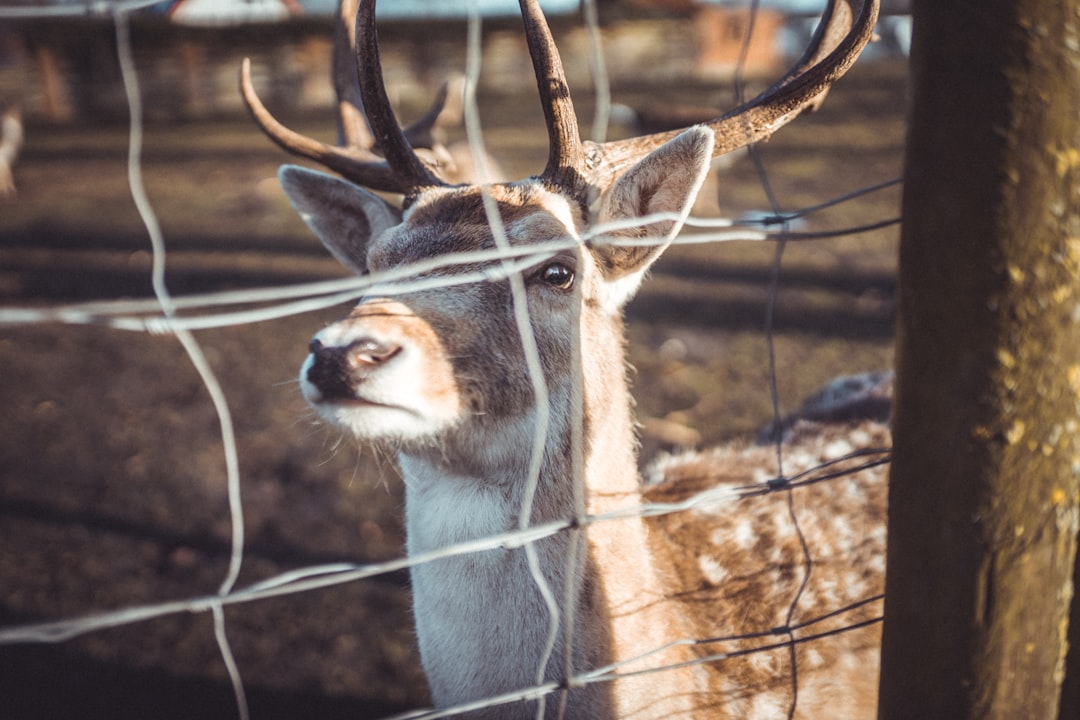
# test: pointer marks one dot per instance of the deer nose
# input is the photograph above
(337, 370)
(365, 350)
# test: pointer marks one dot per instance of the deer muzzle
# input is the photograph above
(382, 371)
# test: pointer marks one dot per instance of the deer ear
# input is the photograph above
(345, 216)
(667, 180)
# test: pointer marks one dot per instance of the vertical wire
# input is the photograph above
(578, 541)
(770, 341)
(218, 612)
(146, 212)
(774, 275)
(530, 350)
(598, 69)
(578, 551)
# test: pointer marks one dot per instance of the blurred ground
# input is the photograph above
(112, 485)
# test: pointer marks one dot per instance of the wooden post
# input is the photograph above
(983, 505)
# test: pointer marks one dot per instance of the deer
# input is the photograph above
(505, 421)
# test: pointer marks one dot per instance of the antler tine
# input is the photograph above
(355, 157)
(358, 164)
(566, 158)
(833, 26)
(837, 42)
(389, 136)
(352, 125)
(421, 134)
(353, 128)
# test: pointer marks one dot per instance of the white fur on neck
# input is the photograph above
(481, 621)
(455, 508)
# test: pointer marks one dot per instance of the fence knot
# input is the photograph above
(778, 483)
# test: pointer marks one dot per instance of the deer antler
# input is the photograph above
(389, 136)
(352, 124)
(566, 158)
(355, 158)
(580, 166)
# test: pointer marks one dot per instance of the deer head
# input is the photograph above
(442, 371)
(407, 369)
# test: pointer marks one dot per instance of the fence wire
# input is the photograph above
(181, 316)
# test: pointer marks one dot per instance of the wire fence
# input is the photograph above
(181, 316)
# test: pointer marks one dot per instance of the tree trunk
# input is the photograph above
(983, 505)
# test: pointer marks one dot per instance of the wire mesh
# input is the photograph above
(180, 316)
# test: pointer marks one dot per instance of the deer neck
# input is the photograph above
(639, 616)
(483, 624)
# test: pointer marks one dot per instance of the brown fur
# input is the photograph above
(743, 575)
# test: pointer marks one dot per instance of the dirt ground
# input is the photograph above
(112, 485)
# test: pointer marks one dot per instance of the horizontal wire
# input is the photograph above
(313, 296)
(137, 315)
(329, 575)
(609, 673)
(785, 217)
(303, 580)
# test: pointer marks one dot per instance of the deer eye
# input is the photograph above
(557, 275)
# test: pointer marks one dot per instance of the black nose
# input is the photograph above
(338, 370)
